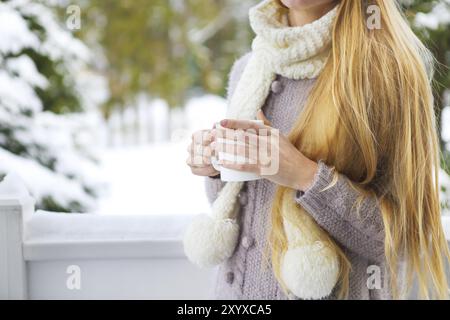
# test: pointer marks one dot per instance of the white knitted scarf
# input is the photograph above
(292, 52)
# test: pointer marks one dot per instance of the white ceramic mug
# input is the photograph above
(229, 175)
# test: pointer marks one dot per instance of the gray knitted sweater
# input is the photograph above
(247, 274)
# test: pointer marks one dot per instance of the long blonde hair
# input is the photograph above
(371, 117)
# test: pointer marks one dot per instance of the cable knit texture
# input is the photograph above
(248, 274)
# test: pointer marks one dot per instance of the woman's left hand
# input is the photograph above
(292, 168)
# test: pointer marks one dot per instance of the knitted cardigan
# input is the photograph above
(247, 274)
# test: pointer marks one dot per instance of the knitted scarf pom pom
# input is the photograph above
(209, 241)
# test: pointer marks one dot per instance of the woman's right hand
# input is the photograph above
(200, 154)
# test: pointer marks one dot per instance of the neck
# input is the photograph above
(298, 18)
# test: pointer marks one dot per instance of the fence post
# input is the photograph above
(13, 279)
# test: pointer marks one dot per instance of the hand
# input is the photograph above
(199, 159)
(293, 169)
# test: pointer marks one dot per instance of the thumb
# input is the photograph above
(260, 116)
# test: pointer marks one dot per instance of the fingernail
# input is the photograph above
(224, 123)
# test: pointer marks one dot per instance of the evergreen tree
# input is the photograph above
(169, 49)
(39, 61)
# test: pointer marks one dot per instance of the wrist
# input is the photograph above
(306, 172)
(215, 175)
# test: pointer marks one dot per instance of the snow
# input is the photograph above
(202, 112)
(41, 182)
(48, 227)
(25, 68)
(42, 140)
(14, 32)
(13, 186)
(59, 44)
(151, 180)
(94, 89)
(439, 16)
(154, 179)
(159, 113)
(445, 122)
(17, 94)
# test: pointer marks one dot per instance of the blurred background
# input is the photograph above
(98, 98)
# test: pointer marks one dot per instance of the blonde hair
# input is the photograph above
(370, 116)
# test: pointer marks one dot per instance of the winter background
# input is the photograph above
(98, 98)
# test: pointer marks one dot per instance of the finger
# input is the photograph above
(235, 135)
(248, 152)
(255, 139)
(257, 149)
(202, 151)
(214, 149)
(241, 124)
(198, 162)
(249, 136)
(205, 171)
(202, 137)
(261, 116)
(247, 148)
(199, 150)
(226, 146)
(244, 167)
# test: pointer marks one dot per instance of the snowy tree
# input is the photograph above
(41, 138)
(169, 49)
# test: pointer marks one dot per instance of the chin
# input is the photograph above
(304, 4)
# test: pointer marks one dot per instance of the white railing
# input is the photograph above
(13, 273)
(85, 256)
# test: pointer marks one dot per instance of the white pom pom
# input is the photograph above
(209, 241)
(310, 272)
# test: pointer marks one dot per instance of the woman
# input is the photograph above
(357, 144)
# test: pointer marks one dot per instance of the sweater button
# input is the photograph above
(243, 198)
(247, 242)
(299, 194)
(276, 86)
(230, 278)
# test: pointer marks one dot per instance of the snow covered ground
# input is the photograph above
(151, 180)
(154, 179)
